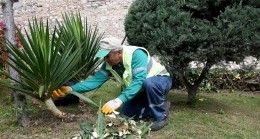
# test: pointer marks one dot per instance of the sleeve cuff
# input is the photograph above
(122, 98)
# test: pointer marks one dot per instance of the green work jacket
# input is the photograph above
(153, 69)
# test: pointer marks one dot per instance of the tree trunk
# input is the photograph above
(192, 92)
(19, 99)
(193, 87)
(51, 106)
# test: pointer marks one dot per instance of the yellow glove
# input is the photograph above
(60, 92)
(111, 105)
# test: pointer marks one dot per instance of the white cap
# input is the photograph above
(108, 44)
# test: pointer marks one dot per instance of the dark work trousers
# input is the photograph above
(149, 103)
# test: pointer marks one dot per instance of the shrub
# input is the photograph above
(205, 31)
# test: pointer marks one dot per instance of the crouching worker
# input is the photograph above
(146, 82)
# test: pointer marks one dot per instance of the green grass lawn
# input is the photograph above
(218, 116)
(215, 116)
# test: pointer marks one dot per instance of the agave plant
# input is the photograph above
(44, 63)
(86, 38)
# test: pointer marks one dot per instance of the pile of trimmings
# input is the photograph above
(114, 126)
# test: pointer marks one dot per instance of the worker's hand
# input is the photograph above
(111, 105)
(60, 92)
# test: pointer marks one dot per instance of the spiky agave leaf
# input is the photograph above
(86, 38)
(40, 64)
(84, 98)
(100, 123)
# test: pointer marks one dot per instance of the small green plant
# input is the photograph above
(221, 111)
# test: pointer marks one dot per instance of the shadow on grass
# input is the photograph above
(205, 102)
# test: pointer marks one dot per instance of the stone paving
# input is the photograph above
(107, 15)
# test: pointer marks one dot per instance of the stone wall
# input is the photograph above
(107, 15)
